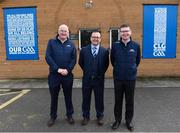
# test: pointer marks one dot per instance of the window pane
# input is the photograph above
(85, 35)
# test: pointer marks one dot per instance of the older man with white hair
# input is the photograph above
(61, 58)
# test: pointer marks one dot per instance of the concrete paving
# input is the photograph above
(42, 83)
(157, 107)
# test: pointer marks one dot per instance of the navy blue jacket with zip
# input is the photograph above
(60, 55)
(125, 60)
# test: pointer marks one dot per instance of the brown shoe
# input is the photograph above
(85, 121)
(50, 122)
(100, 121)
(70, 120)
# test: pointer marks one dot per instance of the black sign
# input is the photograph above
(74, 37)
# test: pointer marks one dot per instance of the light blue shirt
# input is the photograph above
(97, 48)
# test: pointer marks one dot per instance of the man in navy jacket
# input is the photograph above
(61, 58)
(125, 58)
(94, 61)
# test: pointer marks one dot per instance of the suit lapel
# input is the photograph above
(99, 57)
(89, 52)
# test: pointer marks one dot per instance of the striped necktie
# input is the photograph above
(94, 51)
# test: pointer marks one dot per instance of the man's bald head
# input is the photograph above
(63, 32)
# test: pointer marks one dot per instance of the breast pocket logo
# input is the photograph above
(68, 46)
(131, 50)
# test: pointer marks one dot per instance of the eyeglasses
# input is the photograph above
(95, 37)
(63, 31)
(125, 31)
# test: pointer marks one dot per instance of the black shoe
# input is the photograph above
(130, 126)
(115, 125)
(70, 120)
(100, 121)
(51, 122)
(85, 121)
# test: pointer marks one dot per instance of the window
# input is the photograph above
(84, 37)
(114, 35)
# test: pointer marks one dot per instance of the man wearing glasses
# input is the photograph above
(125, 58)
(94, 61)
(61, 58)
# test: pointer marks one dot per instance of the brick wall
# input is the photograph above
(103, 15)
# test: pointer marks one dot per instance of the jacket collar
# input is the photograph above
(124, 43)
(60, 40)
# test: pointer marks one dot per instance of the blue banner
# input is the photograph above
(159, 31)
(21, 33)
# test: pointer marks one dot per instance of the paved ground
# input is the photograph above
(42, 83)
(157, 107)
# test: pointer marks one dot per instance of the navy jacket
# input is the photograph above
(60, 55)
(125, 60)
(85, 61)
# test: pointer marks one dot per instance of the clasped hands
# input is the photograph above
(63, 72)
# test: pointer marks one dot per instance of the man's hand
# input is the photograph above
(60, 70)
(63, 72)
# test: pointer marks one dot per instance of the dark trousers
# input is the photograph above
(55, 83)
(97, 85)
(121, 88)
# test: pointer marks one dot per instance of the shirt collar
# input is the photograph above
(92, 46)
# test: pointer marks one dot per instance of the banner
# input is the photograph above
(21, 33)
(159, 31)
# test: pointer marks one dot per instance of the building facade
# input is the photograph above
(83, 17)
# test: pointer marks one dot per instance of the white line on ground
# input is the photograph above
(4, 90)
(9, 93)
(23, 92)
